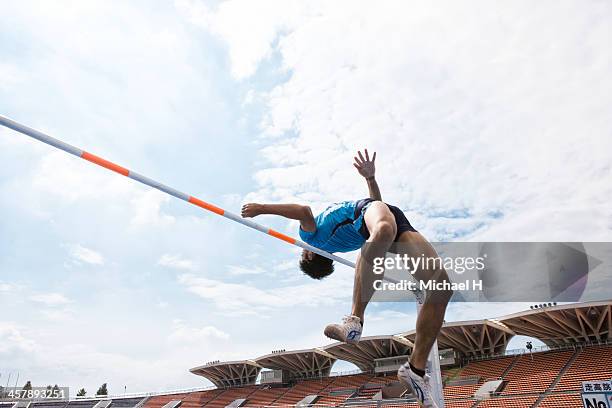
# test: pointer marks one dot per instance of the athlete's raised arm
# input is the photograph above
(299, 212)
(365, 166)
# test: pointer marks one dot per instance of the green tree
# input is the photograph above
(81, 392)
(102, 390)
(28, 385)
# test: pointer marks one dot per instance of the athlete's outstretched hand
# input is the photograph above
(250, 210)
(365, 165)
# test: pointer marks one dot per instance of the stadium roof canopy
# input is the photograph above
(230, 373)
(564, 324)
(472, 337)
(369, 349)
(301, 363)
(554, 325)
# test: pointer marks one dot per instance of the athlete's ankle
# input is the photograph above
(418, 371)
(358, 317)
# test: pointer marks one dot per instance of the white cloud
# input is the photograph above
(10, 75)
(13, 340)
(184, 334)
(249, 39)
(82, 254)
(492, 126)
(58, 315)
(176, 262)
(385, 315)
(147, 209)
(242, 298)
(50, 299)
(473, 311)
(7, 287)
(157, 93)
(244, 270)
(285, 265)
(70, 180)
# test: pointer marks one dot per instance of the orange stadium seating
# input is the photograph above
(301, 390)
(229, 395)
(561, 400)
(592, 363)
(452, 392)
(160, 400)
(535, 372)
(461, 404)
(265, 396)
(341, 388)
(508, 402)
(480, 370)
(198, 399)
(550, 379)
(489, 369)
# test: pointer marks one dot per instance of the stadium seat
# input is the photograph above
(229, 395)
(535, 372)
(509, 402)
(561, 400)
(265, 396)
(591, 363)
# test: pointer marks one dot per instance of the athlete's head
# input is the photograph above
(315, 265)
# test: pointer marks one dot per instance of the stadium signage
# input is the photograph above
(597, 394)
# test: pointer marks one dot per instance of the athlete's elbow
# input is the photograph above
(306, 213)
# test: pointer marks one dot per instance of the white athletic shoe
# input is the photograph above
(420, 386)
(349, 331)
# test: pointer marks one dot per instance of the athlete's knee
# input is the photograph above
(383, 230)
(443, 296)
(443, 292)
(439, 296)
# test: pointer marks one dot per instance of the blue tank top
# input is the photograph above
(337, 229)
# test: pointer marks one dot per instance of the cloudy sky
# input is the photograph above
(491, 122)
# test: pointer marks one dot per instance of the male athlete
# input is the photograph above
(373, 226)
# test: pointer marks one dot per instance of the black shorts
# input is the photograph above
(401, 221)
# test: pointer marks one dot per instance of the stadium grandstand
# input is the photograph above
(477, 369)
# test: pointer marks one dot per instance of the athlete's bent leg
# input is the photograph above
(429, 320)
(382, 228)
(431, 316)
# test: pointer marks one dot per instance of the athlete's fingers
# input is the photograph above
(360, 156)
(367, 155)
(247, 211)
(358, 167)
(359, 162)
(374, 157)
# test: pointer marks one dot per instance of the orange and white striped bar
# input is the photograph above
(11, 124)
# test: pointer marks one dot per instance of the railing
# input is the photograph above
(148, 394)
(207, 388)
(539, 349)
(352, 372)
(332, 374)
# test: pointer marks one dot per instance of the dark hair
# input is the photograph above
(318, 267)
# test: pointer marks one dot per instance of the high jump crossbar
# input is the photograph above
(33, 133)
(433, 361)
